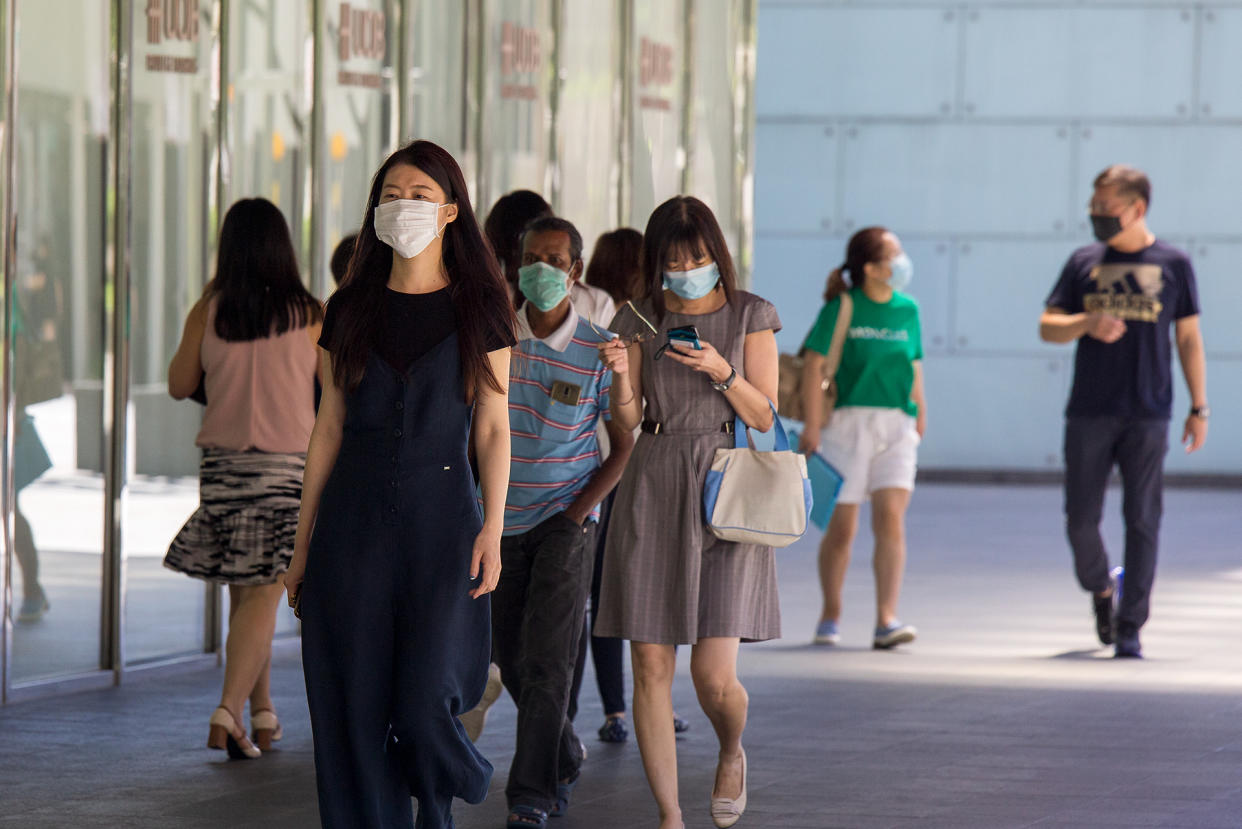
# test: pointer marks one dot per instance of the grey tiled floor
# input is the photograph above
(1003, 714)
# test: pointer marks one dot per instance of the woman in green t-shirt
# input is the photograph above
(874, 432)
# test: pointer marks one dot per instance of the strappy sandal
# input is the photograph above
(265, 728)
(526, 817)
(564, 789)
(226, 734)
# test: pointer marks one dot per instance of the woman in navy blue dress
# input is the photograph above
(393, 562)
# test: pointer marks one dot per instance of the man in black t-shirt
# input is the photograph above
(1117, 298)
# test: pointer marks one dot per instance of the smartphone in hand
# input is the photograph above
(684, 336)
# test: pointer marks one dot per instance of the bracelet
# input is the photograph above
(625, 402)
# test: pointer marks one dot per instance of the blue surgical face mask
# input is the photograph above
(903, 272)
(693, 284)
(543, 285)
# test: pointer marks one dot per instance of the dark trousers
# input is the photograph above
(607, 652)
(537, 617)
(1137, 447)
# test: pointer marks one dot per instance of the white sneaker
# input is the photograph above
(895, 634)
(826, 633)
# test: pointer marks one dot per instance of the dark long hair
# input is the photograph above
(616, 264)
(257, 287)
(506, 220)
(683, 223)
(484, 315)
(866, 245)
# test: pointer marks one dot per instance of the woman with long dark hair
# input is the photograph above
(251, 341)
(393, 561)
(874, 433)
(667, 580)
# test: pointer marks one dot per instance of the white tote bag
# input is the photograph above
(758, 497)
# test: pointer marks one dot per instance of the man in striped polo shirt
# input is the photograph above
(558, 389)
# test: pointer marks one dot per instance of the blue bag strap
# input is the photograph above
(740, 429)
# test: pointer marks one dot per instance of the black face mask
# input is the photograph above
(1105, 227)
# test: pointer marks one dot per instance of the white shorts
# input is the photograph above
(872, 448)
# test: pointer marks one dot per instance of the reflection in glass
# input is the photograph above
(517, 77)
(58, 340)
(267, 124)
(170, 216)
(714, 164)
(586, 125)
(357, 118)
(435, 105)
(267, 108)
(656, 61)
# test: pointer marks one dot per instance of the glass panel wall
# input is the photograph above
(61, 143)
(587, 118)
(357, 49)
(435, 77)
(267, 115)
(173, 220)
(203, 122)
(517, 80)
(656, 64)
(714, 155)
(267, 110)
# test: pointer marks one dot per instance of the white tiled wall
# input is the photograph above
(973, 130)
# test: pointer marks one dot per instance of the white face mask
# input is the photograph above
(407, 225)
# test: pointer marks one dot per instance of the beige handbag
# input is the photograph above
(756, 497)
(789, 392)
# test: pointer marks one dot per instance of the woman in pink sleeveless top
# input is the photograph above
(250, 341)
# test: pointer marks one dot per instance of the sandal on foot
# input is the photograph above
(225, 733)
(526, 817)
(265, 728)
(564, 790)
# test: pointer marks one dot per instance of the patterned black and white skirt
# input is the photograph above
(243, 529)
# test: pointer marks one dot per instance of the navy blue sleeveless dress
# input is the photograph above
(393, 646)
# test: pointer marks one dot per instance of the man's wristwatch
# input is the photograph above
(728, 381)
(1200, 411)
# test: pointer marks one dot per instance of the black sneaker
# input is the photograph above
(1128, 646)
(613, 730)
(1104, 617)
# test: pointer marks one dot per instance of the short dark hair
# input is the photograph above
(555, 224)
(339, 263)
(1129, 181)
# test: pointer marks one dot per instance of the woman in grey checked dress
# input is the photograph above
(667, 580)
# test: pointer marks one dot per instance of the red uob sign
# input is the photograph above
(362, 33)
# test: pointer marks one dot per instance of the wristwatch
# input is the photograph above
(1200, 411)
(728, 382)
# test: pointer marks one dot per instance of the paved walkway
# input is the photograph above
(1003, 714)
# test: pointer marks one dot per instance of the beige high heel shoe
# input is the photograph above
(725, 811)
(225, 733)
(265, 728)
